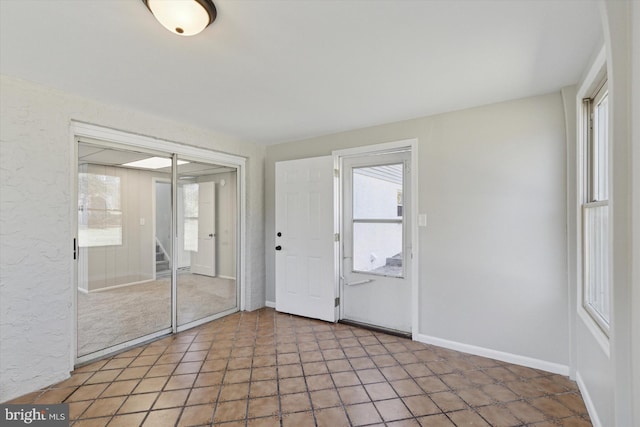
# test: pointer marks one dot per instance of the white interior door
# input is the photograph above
(305, 283)
(376, 239)
(203, 261)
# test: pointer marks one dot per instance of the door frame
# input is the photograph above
(117, 138)
(338, 157)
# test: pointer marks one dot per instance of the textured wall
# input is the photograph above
(36, 279)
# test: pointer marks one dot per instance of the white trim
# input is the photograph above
(588, 402)
(73, 207)
(226, 277)
(594, 76)
(123, 285)
(598, 334)
(516, 359)
(415, 256)
(270, 304)
(84, 291)
(382, 148)
(102, 133)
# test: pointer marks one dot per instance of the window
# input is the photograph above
(190, 196)
(99, 210)
(377, 219)
(595, 209)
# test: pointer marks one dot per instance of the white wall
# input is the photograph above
(37, 282)
(493, 264)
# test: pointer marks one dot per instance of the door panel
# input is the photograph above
(304, 239)
(376, 287)
(120, 298)
(206, 229)
(204, 258)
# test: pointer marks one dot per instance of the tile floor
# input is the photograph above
(268, 369)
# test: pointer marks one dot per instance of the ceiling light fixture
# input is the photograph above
(183, 17)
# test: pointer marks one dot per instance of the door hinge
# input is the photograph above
(336, 237)
(75, 249)
(337, 302)
(336, 173)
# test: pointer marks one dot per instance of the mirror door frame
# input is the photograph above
(122, 139)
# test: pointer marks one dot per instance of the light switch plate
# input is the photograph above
(422, 220)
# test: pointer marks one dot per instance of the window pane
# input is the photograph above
(601, 149)
(377, 192)
(99, 214)
(190, 199)
(597, 261)
(377, 248)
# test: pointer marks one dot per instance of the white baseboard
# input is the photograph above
(226, 277)
(108, 288)
(83, 290)
(270, 304)
(588, 402)
(516, 359)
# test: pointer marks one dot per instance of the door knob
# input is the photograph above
(279, 234)
(278, 248)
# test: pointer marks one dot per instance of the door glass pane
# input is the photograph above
(377, 192)
(377, 219)
(377, 248)
(206, 240)
(124, 223)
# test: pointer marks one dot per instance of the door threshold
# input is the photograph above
(375, 328)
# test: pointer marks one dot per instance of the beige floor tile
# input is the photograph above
(362, 414)
(331, 417)
(196, 415)
(263, 407)
(138, 403)
(324, 398)
(162, 418)
(392, 410)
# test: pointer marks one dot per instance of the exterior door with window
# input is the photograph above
(376, 285)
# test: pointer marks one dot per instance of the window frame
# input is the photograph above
(399, 220)
(592, 199)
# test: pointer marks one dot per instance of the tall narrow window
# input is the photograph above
(191, 217)
(595, 210)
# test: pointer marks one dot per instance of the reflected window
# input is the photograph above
(190, 196)
(99, 210)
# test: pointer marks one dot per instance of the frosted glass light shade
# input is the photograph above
(183, 17)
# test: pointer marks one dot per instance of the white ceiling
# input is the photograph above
(276, 71)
